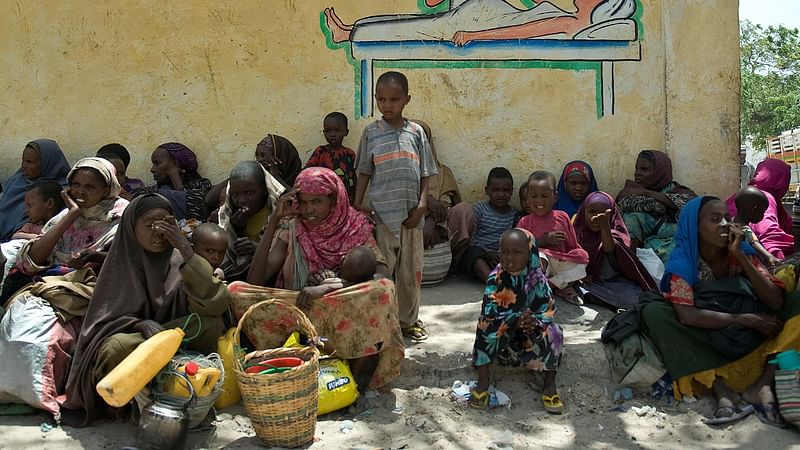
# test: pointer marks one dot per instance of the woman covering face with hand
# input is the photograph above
(725, 317)
(81, 233)
(151, 281)
(316, 229)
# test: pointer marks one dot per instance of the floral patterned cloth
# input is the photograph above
(507, 296)
(357, 321)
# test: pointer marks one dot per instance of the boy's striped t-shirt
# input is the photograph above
(490, 225)
(395, 160)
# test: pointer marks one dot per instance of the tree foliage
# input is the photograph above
(770, 81)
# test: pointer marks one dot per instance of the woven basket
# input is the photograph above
(282, 406)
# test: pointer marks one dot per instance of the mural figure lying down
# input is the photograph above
(472, 20)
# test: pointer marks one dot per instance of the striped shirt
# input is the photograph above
(490, 225)
(395, 160)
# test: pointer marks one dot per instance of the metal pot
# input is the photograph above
(165, 426)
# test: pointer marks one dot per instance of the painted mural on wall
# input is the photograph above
(595, 35)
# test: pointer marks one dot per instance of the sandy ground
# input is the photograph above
(418, 412)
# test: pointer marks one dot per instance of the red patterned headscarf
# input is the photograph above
(324, 245)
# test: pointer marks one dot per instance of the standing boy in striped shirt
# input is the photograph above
(395, 160)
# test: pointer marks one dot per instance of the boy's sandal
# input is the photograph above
(478, 400)
(415, 332)
(553, 403)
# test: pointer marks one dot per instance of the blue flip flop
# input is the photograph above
(740, 412)
(763, 411)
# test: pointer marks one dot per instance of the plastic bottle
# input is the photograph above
(230, 388)
(137, 369)
(203, 380)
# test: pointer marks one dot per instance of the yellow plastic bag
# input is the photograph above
(337, 387)
(230, 388)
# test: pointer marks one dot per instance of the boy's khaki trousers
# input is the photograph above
(404, 259)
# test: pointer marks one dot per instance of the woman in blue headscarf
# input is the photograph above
(577, 181)
(42, 160)
(724, 317)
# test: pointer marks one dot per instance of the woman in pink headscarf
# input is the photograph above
(301, 253)
(772, 177)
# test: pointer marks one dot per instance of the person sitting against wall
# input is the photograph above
(279, 157)
(79, 235)
(651, 203)
(175, 171)
(615, 276)
(774, 231)
(442, 195)
(42, 160)
(152, 281)
(725, 316)
(316, 229)
(250, 199)
(118, 155)
(576, 182)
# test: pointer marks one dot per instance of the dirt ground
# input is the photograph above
(418, 412)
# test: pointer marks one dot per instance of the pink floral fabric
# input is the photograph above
(357, 321)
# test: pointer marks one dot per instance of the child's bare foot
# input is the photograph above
(339, 31)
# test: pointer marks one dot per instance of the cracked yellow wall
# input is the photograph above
(219, 76)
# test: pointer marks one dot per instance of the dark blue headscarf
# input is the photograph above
(683, 259)
(54, 167)
(565, 202)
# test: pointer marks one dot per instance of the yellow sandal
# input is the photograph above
(478, 400)
(553, 403)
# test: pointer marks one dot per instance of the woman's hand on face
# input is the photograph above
(148, 328)
(285, 208)
(69, 202)
(765, 324)
(244, 246)
(168, 228)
